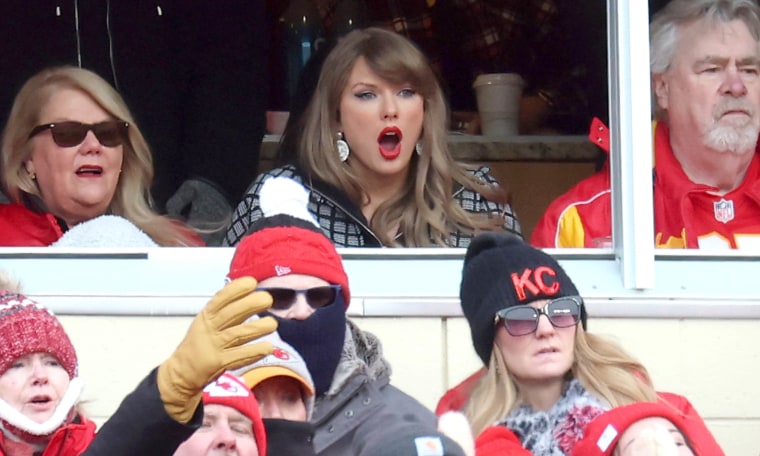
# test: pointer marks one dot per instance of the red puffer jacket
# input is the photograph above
(21, 227)
(71, 440)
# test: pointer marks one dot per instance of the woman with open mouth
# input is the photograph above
(71, 152)
(372, 151)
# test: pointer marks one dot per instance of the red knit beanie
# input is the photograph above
(285, 243)
(602, 435)
(230, 391)
(26, 327)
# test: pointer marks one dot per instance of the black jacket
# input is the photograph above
(289, 438)
(344, 223)
(142, 426)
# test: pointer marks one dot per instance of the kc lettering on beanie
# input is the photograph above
(500, 271)
(230, 391)
(290, 242)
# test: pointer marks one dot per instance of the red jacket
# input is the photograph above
(686, 215)
(71, 440)
(22, 227)
(456, 398)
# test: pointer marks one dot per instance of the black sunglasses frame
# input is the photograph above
(503, 315)
(294, 293)
(104, 132)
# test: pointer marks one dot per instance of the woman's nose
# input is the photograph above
(91, 144)
(544, 326)
(390, 108)
(39, 373)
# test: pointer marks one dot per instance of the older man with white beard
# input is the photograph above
(705, 63)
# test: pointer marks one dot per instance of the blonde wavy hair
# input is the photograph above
(132, 199)
(424, 209)
(600, 364)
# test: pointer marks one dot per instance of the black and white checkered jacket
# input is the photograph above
(344, 223)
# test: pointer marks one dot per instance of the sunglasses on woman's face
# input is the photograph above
(111, 133)
(522, 320)
(316, 297)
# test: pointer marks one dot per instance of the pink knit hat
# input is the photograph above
(27, 327)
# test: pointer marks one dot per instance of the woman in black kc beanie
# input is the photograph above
(541, 372)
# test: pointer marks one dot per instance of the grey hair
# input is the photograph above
(663, 31)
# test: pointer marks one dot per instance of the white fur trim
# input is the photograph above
(457, 428)
(280, 195)
(17, 419)
(105, 231)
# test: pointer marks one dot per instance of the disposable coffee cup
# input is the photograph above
(498, 97)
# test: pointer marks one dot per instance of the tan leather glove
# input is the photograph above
(215, 342)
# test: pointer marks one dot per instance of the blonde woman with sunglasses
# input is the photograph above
(72, 152)
(544, 379)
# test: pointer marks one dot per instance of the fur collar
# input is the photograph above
(362, 354)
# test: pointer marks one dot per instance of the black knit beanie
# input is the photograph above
(500, 271)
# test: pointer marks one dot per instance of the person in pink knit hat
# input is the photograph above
(40, 385)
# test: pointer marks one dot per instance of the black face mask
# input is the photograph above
(319, 339)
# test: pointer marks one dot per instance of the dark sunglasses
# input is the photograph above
(111, 133)
(283, 298)
(562, 312)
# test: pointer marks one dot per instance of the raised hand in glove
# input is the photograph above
(215, 342)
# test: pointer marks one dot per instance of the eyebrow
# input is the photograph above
(723, 61)
(367, 85)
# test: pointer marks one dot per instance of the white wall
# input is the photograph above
(713, 362)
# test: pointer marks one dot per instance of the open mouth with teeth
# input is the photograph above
(89, 170)
(389, 143)
(547, 351)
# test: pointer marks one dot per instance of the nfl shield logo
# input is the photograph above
(724, 210)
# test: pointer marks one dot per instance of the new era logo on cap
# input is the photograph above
(281, 270)
(429, 446)
(607, 437)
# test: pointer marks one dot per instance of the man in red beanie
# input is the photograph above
(298, 265)
(232, 423)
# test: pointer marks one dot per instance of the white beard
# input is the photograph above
(736, 140)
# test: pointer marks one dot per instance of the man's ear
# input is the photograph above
(661, 89)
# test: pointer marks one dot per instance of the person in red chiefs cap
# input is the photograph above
(644, 428)
(232, 423)
(298, 265)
